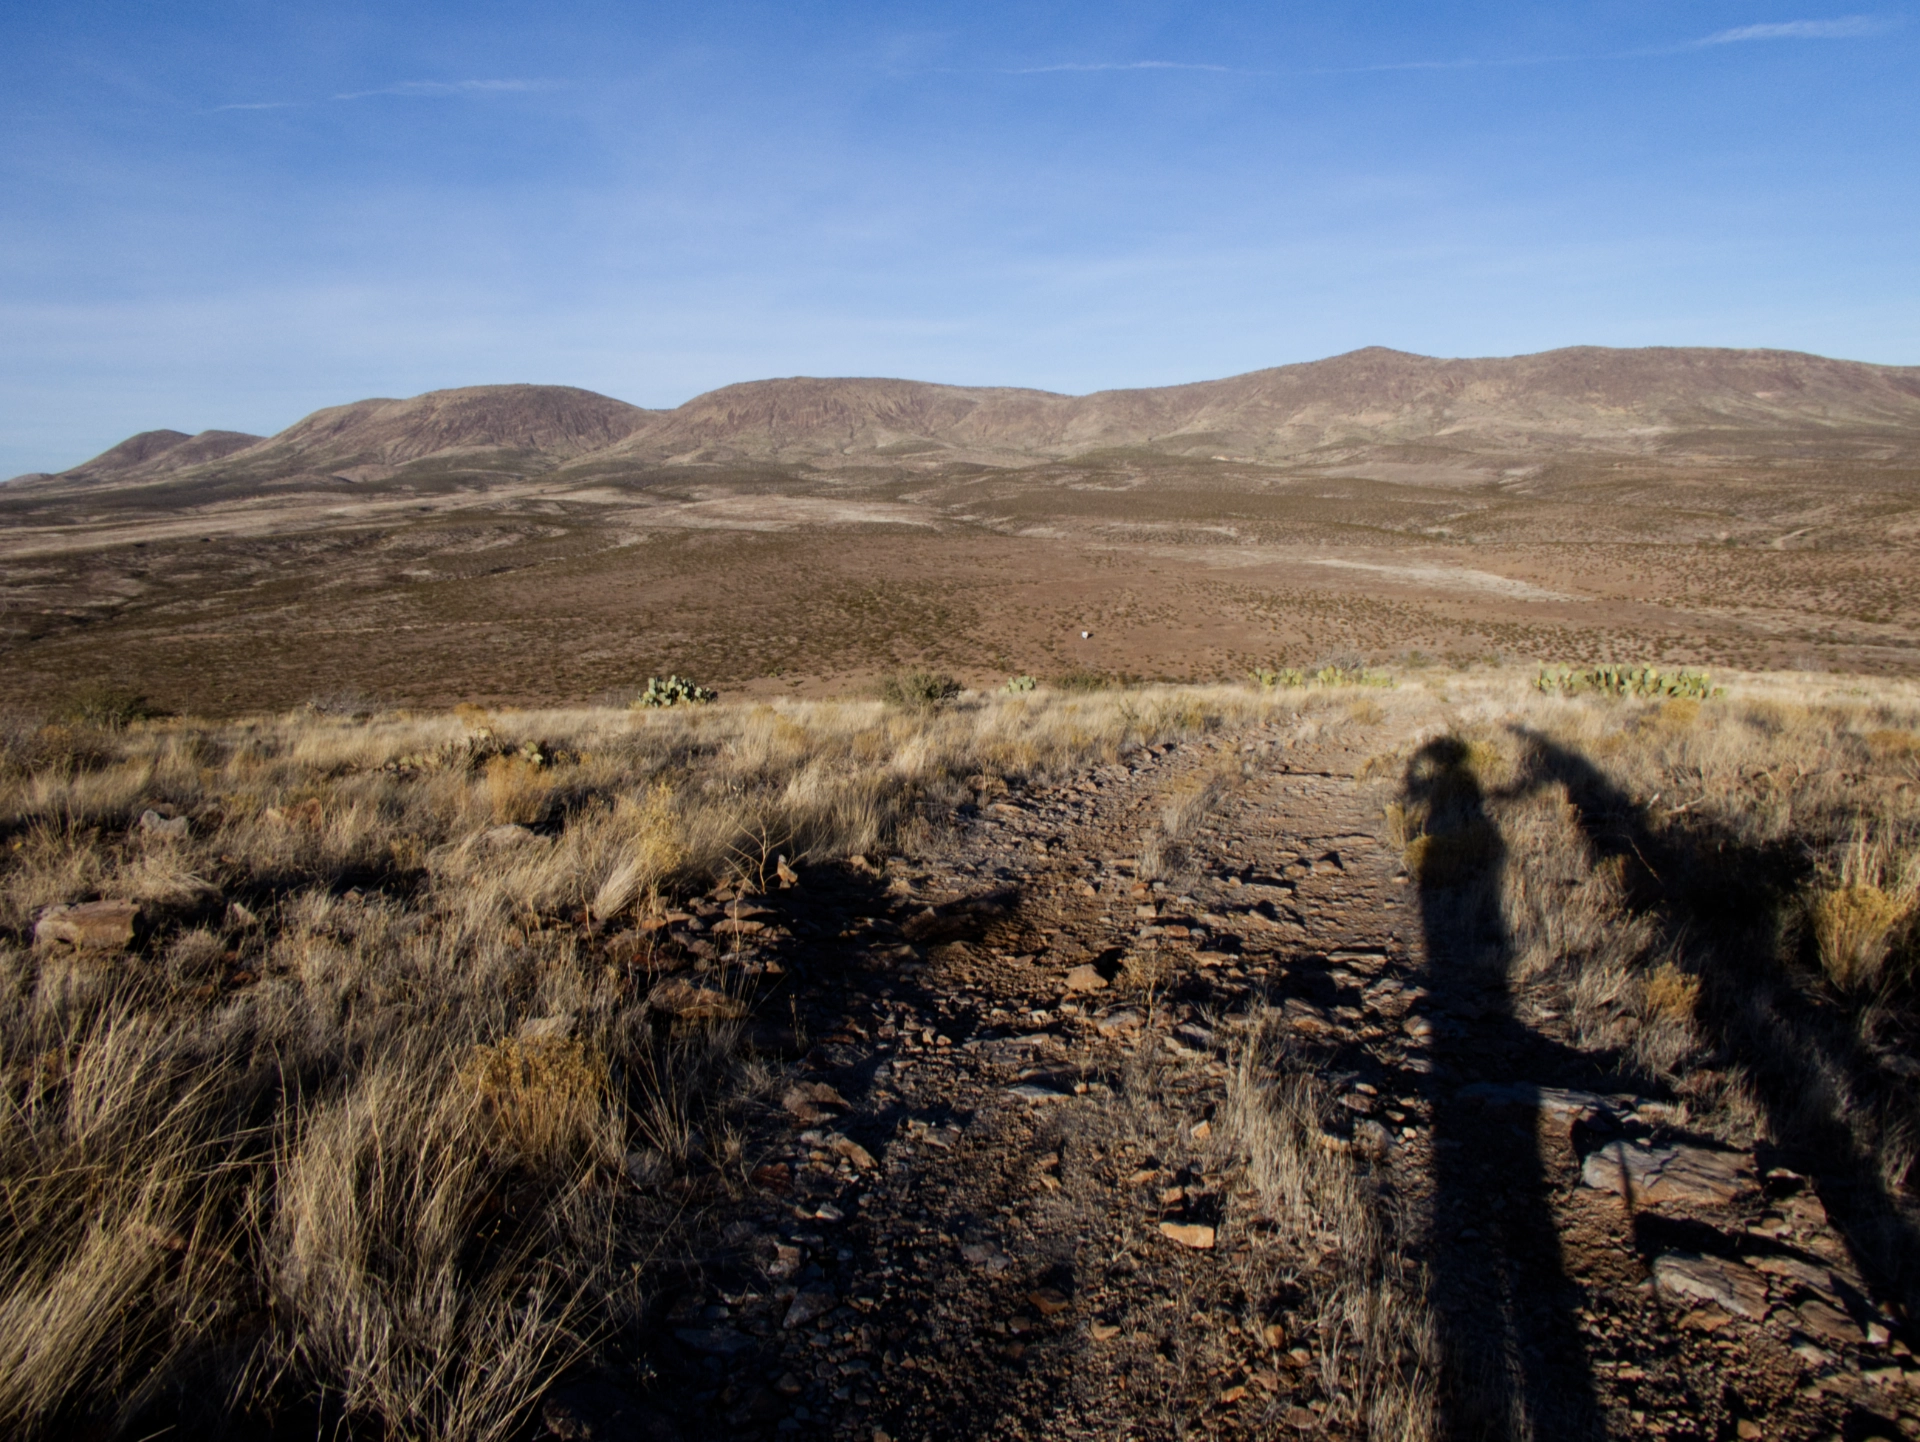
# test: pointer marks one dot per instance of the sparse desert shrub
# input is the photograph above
(1018, 685)
(919, 690)
(545, 1095)
(653, 848)
(1083, 680)
(58, 749)
(518, 789)
(1163, 851)
(1453, 858)
(108, 706)
(1671, 993)
(1351, 676)
(1292, 678)
(1852, 926)
(1859, 920)
(348, 703)
(1371, 1329)
(383, 1295)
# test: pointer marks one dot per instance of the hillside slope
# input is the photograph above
(1585, 397)
(542, 424)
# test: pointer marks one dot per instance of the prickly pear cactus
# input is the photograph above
(674, 691)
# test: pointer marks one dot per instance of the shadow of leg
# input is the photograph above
(1515, 1362)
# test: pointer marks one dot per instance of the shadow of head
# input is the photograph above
(1450, 841)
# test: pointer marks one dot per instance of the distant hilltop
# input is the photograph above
(1586, 398)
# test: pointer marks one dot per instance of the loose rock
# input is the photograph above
(91, 926)
(173, 828)
(809, 1306)
(1189, 1234)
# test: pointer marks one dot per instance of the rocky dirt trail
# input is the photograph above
(994, 1192)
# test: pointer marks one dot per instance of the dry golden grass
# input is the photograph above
(1372, 1333)
(248, 1163)
(253, 1162)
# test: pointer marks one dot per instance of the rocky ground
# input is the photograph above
(992, 1191)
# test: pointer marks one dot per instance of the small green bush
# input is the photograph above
(1017, 685)
(1627, 681)
(674, 691)
(919, 690)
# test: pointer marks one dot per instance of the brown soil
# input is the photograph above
(973, 1247)
(416, 594)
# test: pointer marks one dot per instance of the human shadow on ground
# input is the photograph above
(1724, 906)
(1513, 1361)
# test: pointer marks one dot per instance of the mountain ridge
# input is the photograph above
(1623, 400)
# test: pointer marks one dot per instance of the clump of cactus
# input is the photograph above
(1016, 685)
(1350, 676)
(1627, 681)
(674, 691)
(1285, 678)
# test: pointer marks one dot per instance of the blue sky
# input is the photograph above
(231, 214)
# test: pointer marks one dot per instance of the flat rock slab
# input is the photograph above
(1829, 1324)
(91, 926)
(1687, 1276)
(1646, 1175)
(1557, 1102)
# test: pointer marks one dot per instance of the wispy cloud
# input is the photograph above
(1068, 67)
(448, 89)
(1848, 27)
(422, 89)
(1464, 64)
